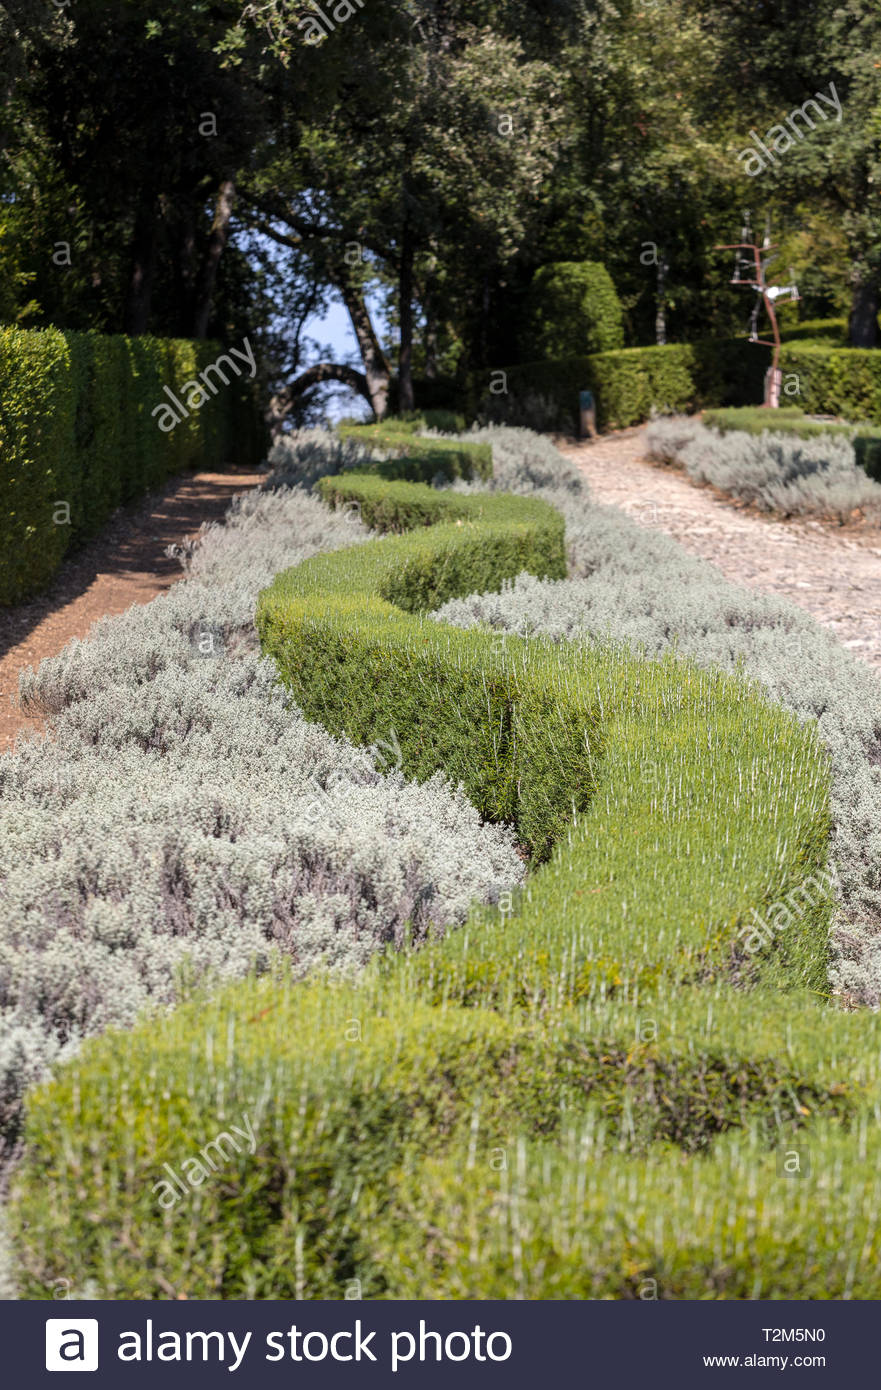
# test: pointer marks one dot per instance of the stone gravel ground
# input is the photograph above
(834, 572)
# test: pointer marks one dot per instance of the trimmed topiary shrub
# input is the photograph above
(386, 507)
(758, 419)
(39, 481)
(573, 310)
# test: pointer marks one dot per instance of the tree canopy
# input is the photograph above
(432, 155)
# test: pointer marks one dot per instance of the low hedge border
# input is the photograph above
(77, 437)
(640, 784)
(756, 420)
(630, 383)
(784, 420)
(397, 509)
(420, 459)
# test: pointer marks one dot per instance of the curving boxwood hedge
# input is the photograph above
(414, 457)
(578, 1094)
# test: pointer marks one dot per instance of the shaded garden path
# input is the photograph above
(125, 564)
(832, 572)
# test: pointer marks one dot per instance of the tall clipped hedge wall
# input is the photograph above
(629, 384)
(836, 381)
(77, 437)
(609, 1032)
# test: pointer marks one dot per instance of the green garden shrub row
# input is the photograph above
(792, 420)
(631, 383)
(834, 332)
(356, 1097)
(78, 437)
(420, 458)
(579, 1219)
(615, 997)
(836, 381)
(387, 508)
(756, 419)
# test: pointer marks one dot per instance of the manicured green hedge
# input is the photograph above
(666, 807)
(784, 420)
(78, 437)
(385, 506)
(834, 332)
(582, 1220)
(417, 457)
(836, 381)
(384, 1128)
(628, 385)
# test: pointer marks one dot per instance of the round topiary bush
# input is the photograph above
(574, 309)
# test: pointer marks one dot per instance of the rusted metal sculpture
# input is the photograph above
(755, 259)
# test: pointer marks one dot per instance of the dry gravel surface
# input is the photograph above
(834, 572)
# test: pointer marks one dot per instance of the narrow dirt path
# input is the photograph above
(832, 572)
(125, 564)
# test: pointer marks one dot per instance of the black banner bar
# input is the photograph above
(492, 1344)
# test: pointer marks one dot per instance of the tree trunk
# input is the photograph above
(185, 272)
(483, 340)
(376, 368)
(430, 345)
(143, 261)
(864, 314)
(216, 244)
(661, 304)
(406, 399)
(281, 403)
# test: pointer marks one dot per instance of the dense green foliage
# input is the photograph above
(78, 437)
(506, 140)
(672, 807)
(574, 311)
(629, 385)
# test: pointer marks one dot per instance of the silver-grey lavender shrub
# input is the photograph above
(300, 458)
(184, 821)
(635, 586)
(774, 472)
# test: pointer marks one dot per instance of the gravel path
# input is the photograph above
(125, 564)
(832, 572)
